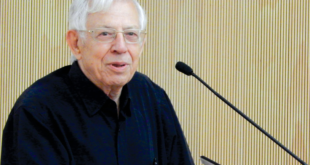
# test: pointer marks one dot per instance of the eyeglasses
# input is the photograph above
(107, 35)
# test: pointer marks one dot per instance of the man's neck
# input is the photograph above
(114, 94)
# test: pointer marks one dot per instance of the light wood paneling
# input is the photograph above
(255, 53)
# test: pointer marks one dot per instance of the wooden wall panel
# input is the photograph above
(255, 53)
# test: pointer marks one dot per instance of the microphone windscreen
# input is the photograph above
(182, 67)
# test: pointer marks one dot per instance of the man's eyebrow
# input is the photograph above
(105, 26)
(131, 27)
(126, 27)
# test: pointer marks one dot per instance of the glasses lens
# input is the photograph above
(132, 35)
(104, 35)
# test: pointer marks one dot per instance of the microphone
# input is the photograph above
(182, 67)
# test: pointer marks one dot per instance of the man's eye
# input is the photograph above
(131, 34)
(105, 33)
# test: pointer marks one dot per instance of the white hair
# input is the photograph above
(80, 9)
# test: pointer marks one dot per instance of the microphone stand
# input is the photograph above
(249, 120)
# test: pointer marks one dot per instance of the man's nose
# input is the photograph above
(119, 44)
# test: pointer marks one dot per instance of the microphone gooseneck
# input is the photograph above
(182, 67)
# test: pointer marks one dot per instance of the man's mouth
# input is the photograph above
(118, 65)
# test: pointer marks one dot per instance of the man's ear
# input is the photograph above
(142, 45)
(144, 40)
(72, 38)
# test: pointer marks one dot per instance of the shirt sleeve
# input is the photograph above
(178, 150)
(28, 139)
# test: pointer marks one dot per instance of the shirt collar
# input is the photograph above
(93, 97)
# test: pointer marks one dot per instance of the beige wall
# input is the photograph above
(254, 52)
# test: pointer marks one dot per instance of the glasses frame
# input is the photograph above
(114, 37)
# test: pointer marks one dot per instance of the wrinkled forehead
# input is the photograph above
(104, 5)
(120, 14)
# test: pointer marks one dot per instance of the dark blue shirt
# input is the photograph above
(64, 118)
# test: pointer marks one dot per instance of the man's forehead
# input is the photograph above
(124, 27)
(127, 18)
(106, 22)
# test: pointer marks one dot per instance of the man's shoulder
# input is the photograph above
(46, 89)
(141, 80)
(142, 86)
(52, 82)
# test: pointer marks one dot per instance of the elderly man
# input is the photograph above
(99, 110)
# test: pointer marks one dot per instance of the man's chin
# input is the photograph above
(120, 81)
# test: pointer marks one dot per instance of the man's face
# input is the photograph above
(111, 64)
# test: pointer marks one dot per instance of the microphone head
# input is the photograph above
(182, 67)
